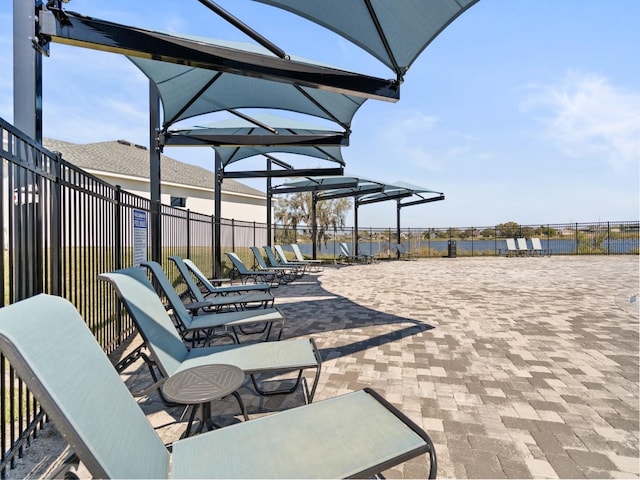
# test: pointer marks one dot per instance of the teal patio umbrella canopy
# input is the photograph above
(187, 92)
(257, 130)
(402, 190)
(395, 32)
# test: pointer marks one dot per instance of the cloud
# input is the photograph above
(586, 116)
(406, 138)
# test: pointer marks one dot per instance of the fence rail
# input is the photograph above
(63, 226)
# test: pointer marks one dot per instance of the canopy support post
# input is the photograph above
(154, 173)
(217, 215)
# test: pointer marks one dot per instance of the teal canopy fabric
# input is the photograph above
(239, 126)
(257, 130)
(187, 92)
(395, 32)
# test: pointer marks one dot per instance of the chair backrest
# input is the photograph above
(297, 252)
(188, 279)
(151, 318)
(535, 244)
(57, 357)
(271, 256)
(344, 249)
(400, 249)
(522, 244)
(281, 254)
(202, 278)
(259, 258)
(511, 244)
(179, 310)
(238, 264)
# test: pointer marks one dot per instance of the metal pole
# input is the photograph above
(154, 173)
(314, 225)
(27, 70)
(355, 226)
(218, 214)
(269, 197)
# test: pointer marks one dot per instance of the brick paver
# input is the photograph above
(517, 367)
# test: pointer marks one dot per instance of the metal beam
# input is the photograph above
(385, 198)
(233, 140)
(356, 193)
(424, 200)
(78, 30)
(298, 172)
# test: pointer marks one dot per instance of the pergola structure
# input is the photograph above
(363, 191)
(194, 76)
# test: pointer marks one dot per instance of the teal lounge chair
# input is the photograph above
(316, 265)
(282, 258)
(296, 269)
(285, 274)
(345, 253)
(221, 298)
(511, 247)
(523, 249)
(171, 356)
(215, 304)
(200, 328)
(354, 435)
(241, 270)
(536, 248)
(187, 269)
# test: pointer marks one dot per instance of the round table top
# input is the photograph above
(203, 383)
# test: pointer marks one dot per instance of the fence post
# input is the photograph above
(117, 244)
(608, 238)
(56, 229)
(188, 233)
(233, 235)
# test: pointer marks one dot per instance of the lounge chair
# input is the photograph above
(235, 292)
(53, 351)
(171, 355)
(200, 328)
(186, 265)
(213, 304)
(345, 253)
(315, 264)
(536, 248)
(285, 274)
(282, 258)
(511, 248)
(241, 270)
(523, 249)
(404, 253)
(296, 269)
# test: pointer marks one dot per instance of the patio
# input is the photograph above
(516, 367)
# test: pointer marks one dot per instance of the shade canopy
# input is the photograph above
(394, 32)
(187, 92)
(412, 195)
(263, 129)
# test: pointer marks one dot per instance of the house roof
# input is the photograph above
(126, 158)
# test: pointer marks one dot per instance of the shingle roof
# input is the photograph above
(126, 158)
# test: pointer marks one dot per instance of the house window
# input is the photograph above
(178, 202)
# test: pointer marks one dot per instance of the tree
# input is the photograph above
(295, 209)
(508, 229)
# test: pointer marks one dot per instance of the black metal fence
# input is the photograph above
(62, 227)
(597, 238)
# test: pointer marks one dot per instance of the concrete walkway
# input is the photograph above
(516, 367)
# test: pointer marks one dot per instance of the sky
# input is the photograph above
(520, 110)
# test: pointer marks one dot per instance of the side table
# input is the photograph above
(199, 386)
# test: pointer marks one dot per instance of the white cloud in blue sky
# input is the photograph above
(519, 111)
(585, 115)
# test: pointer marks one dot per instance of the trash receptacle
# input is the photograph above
(451, 250)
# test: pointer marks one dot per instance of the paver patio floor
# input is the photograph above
(516, 367)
